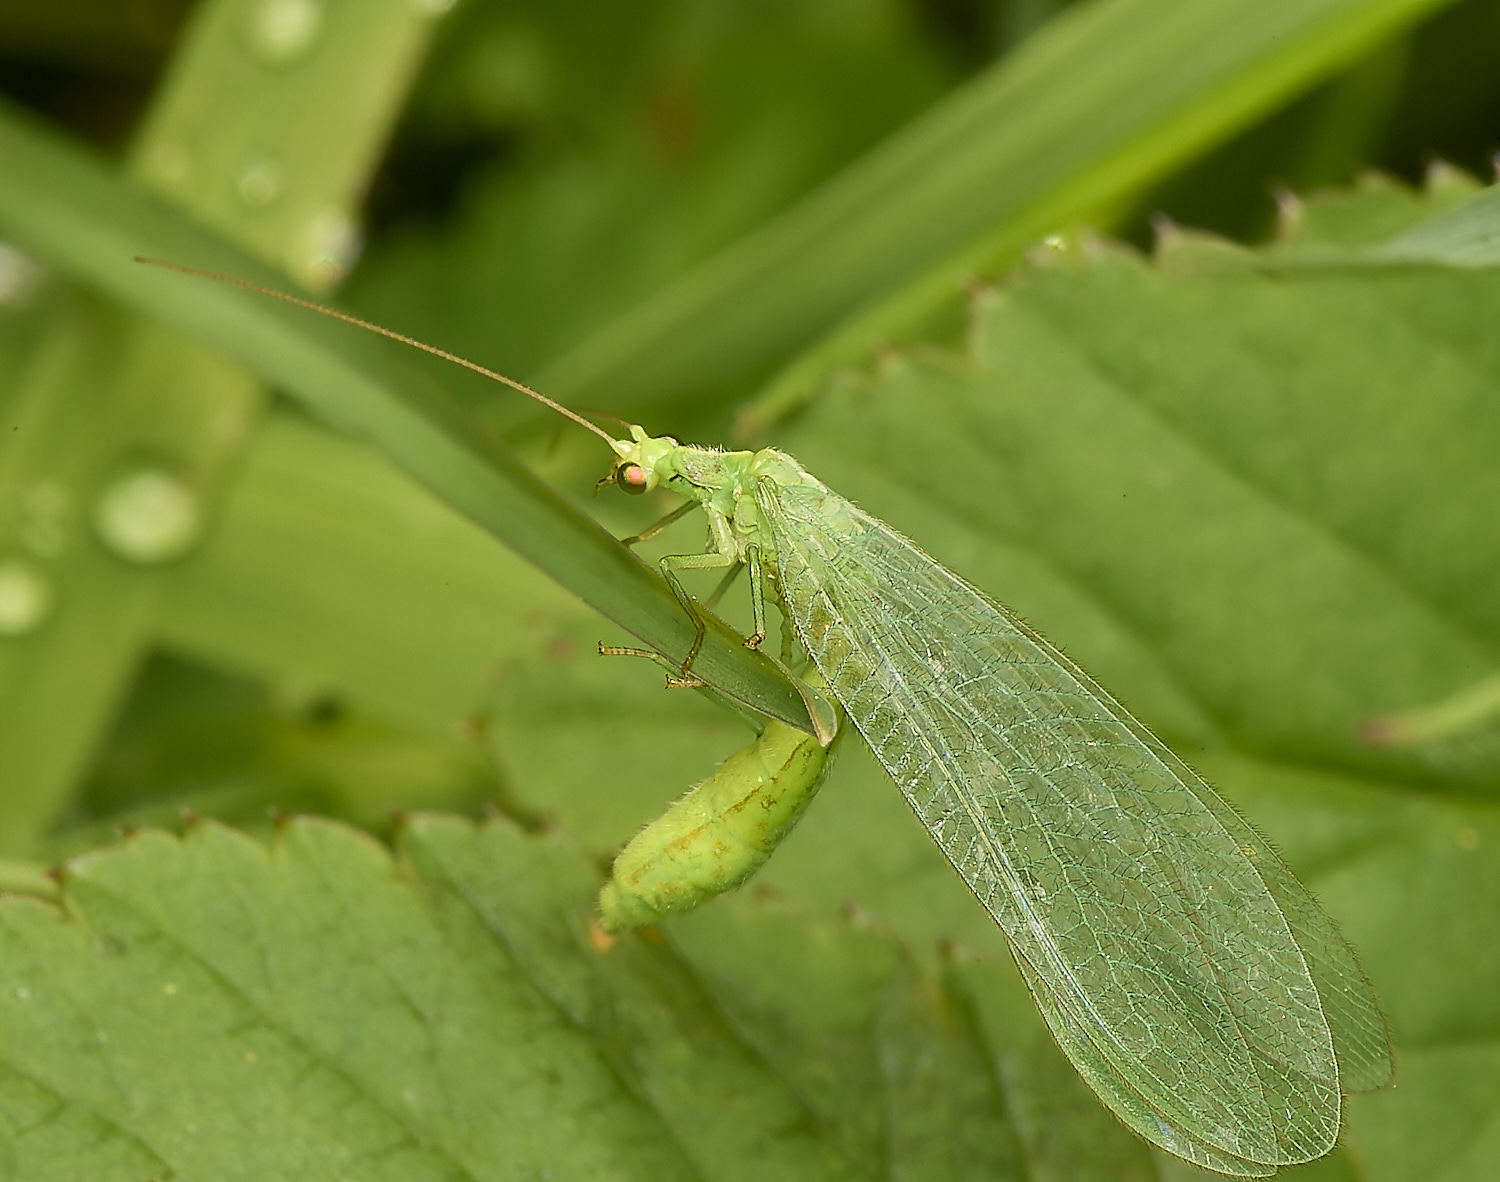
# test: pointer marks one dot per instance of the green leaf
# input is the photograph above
(1465, 236)
(268, 127)
(199, 739)
(1257, 509)
(1103, 100)
(1064, 1131)
(321, 1010)
(700, 124)
(385, 1075)
(952, 1117)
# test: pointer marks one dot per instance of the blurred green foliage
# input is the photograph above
(1252, 491)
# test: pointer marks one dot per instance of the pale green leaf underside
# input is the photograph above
(1466, 236)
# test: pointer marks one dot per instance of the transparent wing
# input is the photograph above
(1152, 942)
(1361, 1042)
(1123, 1100)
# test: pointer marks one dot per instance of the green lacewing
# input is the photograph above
(1194, 983)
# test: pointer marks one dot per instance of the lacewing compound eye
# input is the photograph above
(632, 478)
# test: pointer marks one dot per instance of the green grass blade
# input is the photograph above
(122, 398)
(1104, 100)
(73, 213)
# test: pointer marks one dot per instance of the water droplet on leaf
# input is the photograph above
(281, 31)
(326, 248)
(25, 597)
(19, 276)
(148, 515)
(260, 181)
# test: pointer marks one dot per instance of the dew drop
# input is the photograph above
(281, 31)
(326, 248)
(22, 992)
(25, 598)
(19, 276)
(260, 181)
(435, 7)
(148, 515)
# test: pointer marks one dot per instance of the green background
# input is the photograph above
(1166, 322)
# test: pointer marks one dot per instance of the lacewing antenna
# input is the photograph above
(402, 338)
